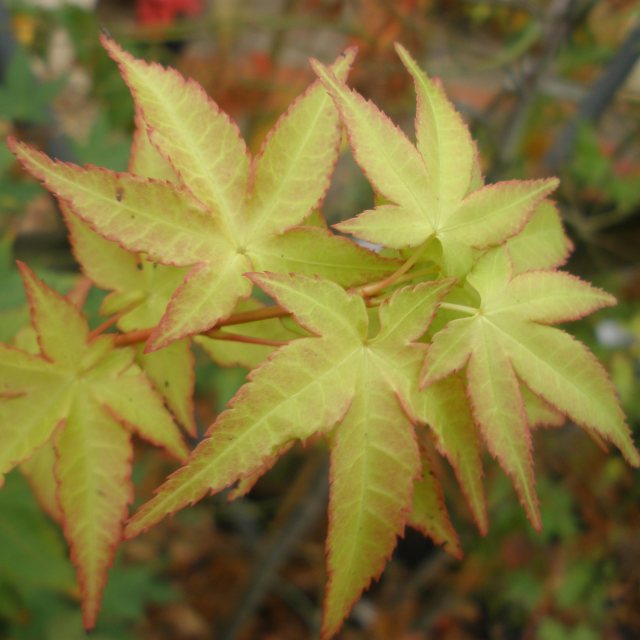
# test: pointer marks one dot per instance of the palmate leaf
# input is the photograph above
(433, 189)
(507, 340)
(338, 375)
(78, 394)
(140, 289)
(224, 213)
(140, 293)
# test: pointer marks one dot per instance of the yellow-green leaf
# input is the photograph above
(93, 469)
(77, 394)
(340, 378)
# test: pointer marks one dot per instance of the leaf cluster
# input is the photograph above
(438, 343)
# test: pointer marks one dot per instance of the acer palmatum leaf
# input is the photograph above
(212, 218)
(338, 375)
(507, 340)
(83, 397)
(432, 188)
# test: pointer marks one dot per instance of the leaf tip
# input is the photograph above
(12, 143)
(632, 456)
(324, 73)
(109, 44)
(349, 54)
(405, 56)
(29, 279)
(400, 49)
(17, 147)
(318, 67)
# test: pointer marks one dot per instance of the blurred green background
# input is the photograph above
(549, 87)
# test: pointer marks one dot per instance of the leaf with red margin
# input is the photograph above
(78, 394)
(141, 289)
(162, 220)
(428, 187)
(367, 512)
(506, 341)
(202, 145)
(141, 292)
(212, 217)
(93, 469)
(338, 375)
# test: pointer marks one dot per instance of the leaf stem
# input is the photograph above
(238, 337)
(101, 328)
(109, 322)
(375, 287)
(470, 311)
(407, 277)
(132, 337)
(265, 313)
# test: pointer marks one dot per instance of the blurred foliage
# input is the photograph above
(24, 98)
(579, 579)
(39, 599)
(13, 304)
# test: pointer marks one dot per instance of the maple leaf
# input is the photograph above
(83, 397)
(337, 375)
(507, 340)
(140, 289)
(433, 190)
(228, 214)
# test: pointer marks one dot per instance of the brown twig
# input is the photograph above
(266, 313)
(238, 337)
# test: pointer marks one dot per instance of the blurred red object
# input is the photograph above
(164, 12)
